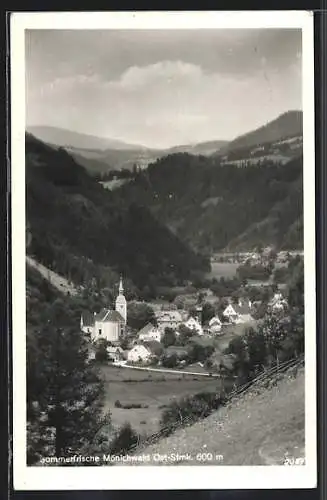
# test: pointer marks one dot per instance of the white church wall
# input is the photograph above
(107, 330)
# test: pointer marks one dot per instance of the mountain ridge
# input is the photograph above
(285, 125)
(78, 230)
(68, 138)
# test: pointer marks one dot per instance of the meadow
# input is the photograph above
(154, 390)
(223, 270)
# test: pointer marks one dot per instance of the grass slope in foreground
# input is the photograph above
(256, 429)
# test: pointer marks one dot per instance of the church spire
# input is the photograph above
(121, 288)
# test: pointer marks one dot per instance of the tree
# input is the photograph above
(237, 346)
(169, 337)
(139, 315)
(208, 312)
(124, 440)
(64, 392)
(169, 361)
(184, 334)
(101, 353)
(198, 352)
(257, 351)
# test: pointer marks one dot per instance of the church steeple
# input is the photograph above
(121, 288)
(121, 304)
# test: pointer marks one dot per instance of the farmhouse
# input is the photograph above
(144, 352)
(107, 324)
(150, 332)
(115, 353)
(215, 325)
(238, 313)
(194, 324)
(168, 319)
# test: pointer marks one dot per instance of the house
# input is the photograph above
(194, 324)
(107, 324)
(139, 354)
(144, 352)
(214, 325)
(278, 303)
(238, 313)
(115, 353)
(168, 319)
(150, 332)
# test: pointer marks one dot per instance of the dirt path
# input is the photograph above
(57, 281)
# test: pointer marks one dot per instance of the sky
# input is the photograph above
(161, 88)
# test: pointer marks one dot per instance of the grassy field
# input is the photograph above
(255, 429)
(152, 389)
(223, 270)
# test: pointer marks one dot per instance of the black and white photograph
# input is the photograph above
(163, 249)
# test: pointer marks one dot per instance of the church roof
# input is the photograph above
(108, 315)
(87, 318)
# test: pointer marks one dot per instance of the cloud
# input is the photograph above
(167, 102)
(163, 71)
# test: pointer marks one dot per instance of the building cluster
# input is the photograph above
(110, 325)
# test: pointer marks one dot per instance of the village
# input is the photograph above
(180, 336)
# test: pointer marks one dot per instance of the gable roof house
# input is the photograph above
(168, 319)
(144, 352)
(193, 324)
(115, 353)
(238, 313)
(214, 325)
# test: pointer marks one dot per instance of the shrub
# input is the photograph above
(124, 440)
(129, 406)
(189, 409)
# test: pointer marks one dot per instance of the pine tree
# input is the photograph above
(64, 391)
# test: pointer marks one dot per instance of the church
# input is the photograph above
(107, 324)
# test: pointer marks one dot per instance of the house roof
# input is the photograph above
(214, 319)
(169, 316)
(146, 329)
(114, 349)
(87, 318)
(193, 320)
(154, 347)
(109, 315)
(243, 309)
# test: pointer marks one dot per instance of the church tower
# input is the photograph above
(121, 304)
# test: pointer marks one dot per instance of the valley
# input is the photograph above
(206, 272)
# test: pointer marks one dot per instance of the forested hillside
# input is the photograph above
(289, 124)
(79, 230)
(212, 206)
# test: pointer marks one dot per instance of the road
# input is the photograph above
(123, 364)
